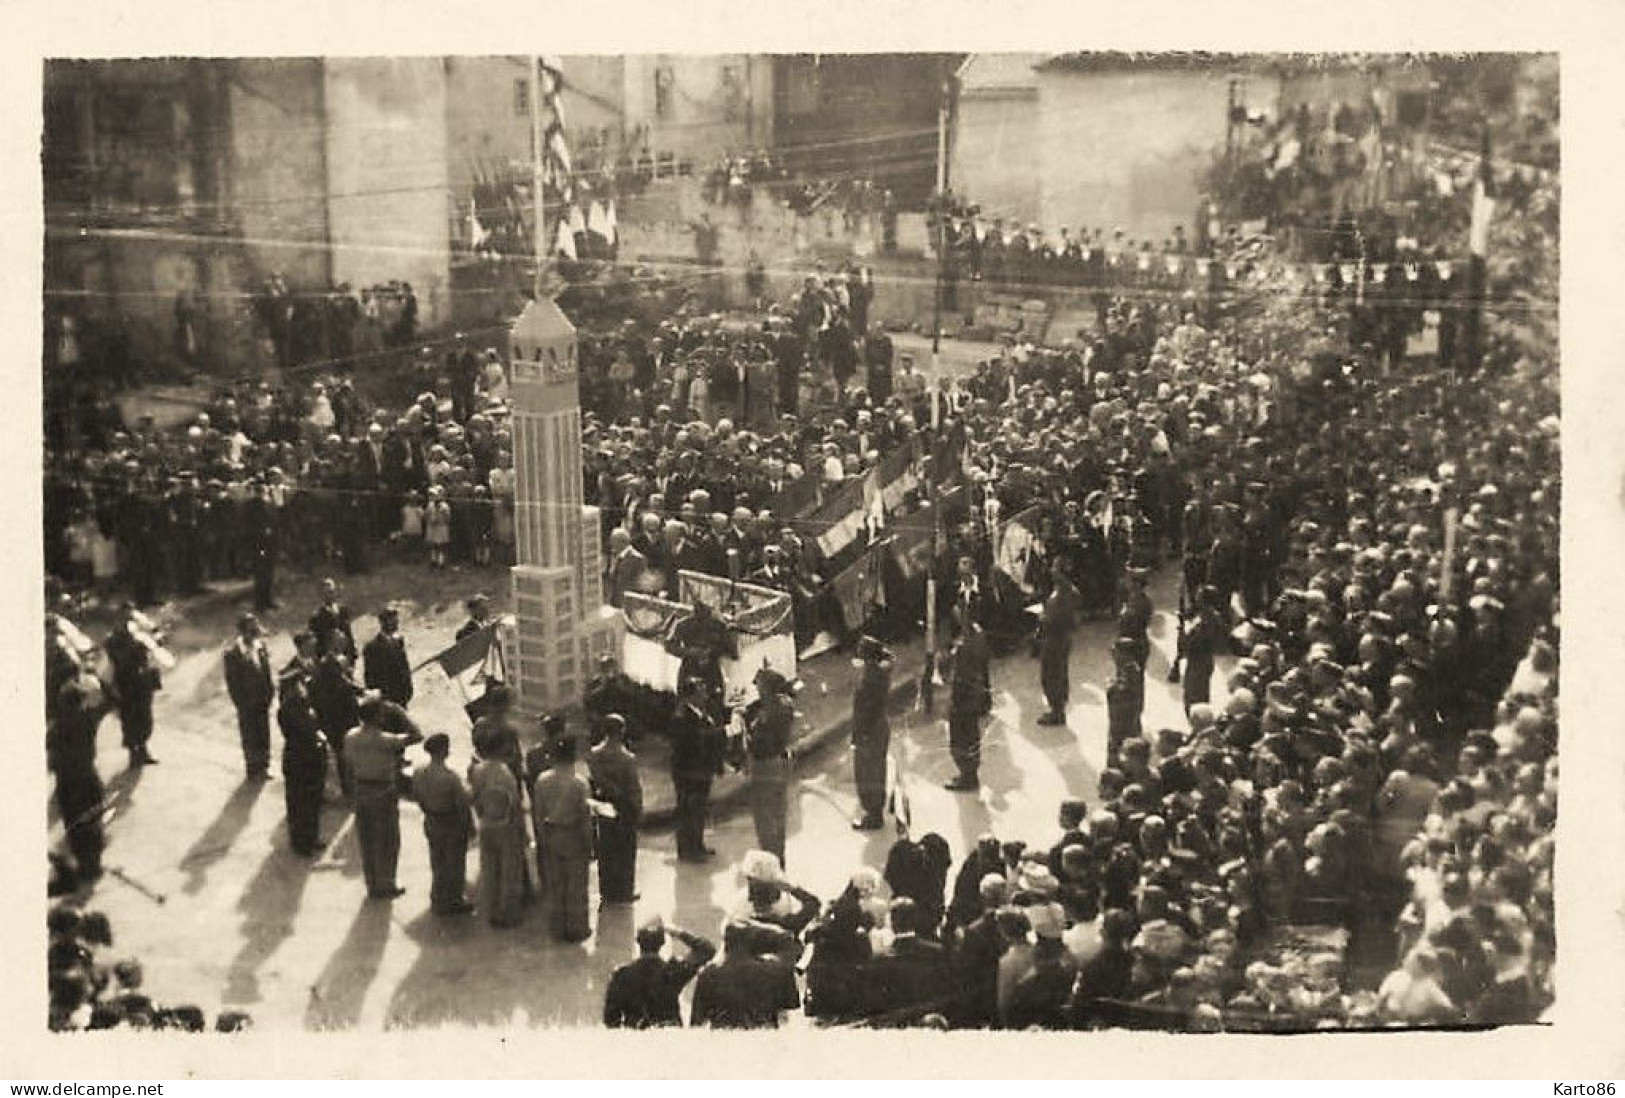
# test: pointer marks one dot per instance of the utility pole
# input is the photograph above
(539, 230)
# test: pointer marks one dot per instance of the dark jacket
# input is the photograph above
(745, 992)
(328, 618)
(384, 667)
(248, 679)
(644, 993)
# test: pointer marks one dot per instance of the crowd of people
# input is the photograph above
(1355, 829)
(87, 992)
(1381, 551)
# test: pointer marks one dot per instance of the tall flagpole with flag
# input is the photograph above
(1478, 241)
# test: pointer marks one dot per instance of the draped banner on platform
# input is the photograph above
(759, 619)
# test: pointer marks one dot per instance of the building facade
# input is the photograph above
(177, 188)
(1106, 141)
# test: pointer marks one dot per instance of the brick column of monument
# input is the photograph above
(557, 588)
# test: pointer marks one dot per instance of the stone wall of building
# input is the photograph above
(387, 182)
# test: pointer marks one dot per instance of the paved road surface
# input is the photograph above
(246, 924)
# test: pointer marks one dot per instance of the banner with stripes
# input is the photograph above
(557, 170)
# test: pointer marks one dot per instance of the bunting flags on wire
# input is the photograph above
(556, 165)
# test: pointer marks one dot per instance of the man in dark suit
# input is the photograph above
(644, 993)
(368, 476)
(696, 759)
(331, 617)
(913, 973)
(627, 567)
(248, 681)
(384, 666)
(262, 525)
(970, 699)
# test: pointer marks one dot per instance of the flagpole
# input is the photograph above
(926, 692)
(539, 230)
(1477, 262)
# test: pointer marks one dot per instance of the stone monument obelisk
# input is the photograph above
(557, 583)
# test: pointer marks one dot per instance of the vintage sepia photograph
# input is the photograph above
(817, 541)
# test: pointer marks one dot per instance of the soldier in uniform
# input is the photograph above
(871, 732)
(497, 806)
(336, 697)
(970, 699)
(373, 757)
(448, 825)
(1196, 528)
(248, 681)
(1259, 540)
(696, 759)
(614, 773)
(1199, 643)
(644, 993)
(563, 817)
(1055, 625)
(767, 746)
(304, 758)
(1125, 700)
(384, 666)
(1134, 622)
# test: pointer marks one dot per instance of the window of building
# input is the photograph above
(664, 84)
(521, 96)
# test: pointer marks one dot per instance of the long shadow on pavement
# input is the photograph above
(270, 905)
(218, 838)
(337, 996)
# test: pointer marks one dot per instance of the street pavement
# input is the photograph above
(202, 886)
